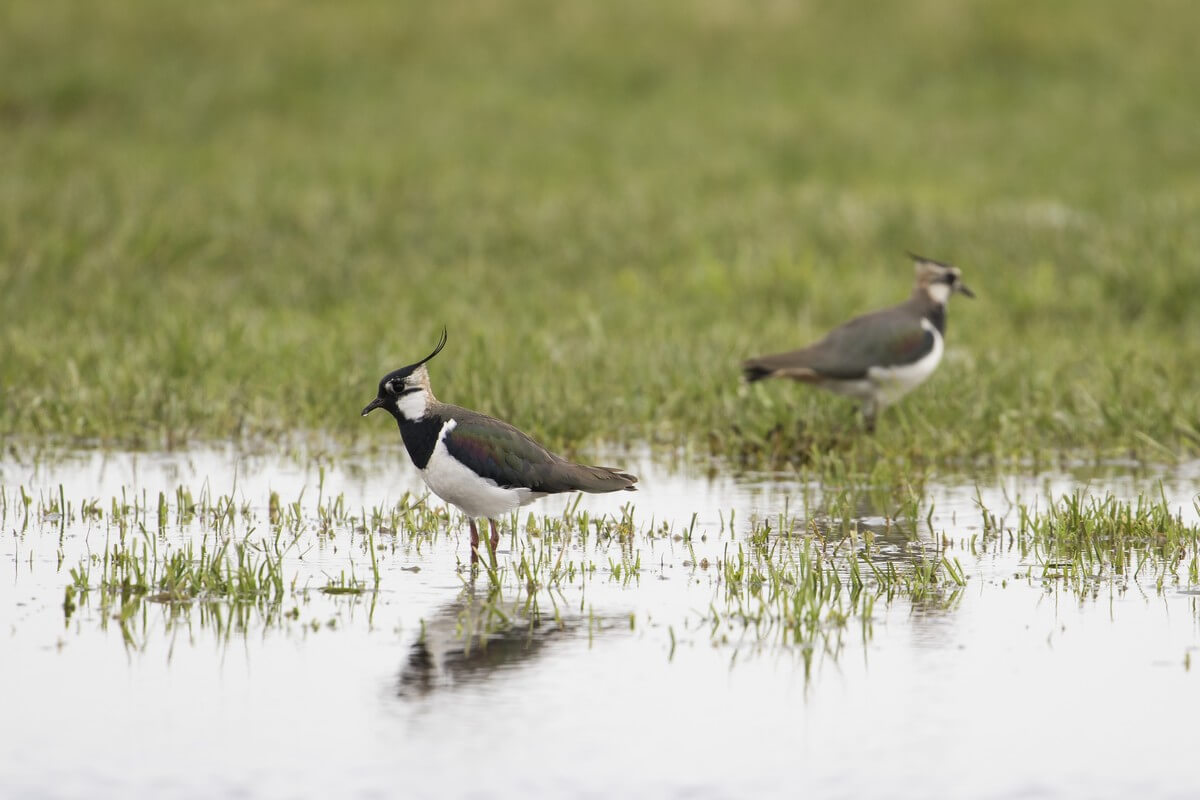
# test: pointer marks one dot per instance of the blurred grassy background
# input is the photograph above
(230, 219)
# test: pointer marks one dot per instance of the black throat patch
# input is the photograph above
(421, 437)
(937, 315)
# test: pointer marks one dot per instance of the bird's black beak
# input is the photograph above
(371, 406)
(964, 289)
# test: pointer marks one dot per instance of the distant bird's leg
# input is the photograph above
(495, 536)
(474, 540)
(869, 411)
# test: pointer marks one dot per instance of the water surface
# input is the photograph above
(615, 681)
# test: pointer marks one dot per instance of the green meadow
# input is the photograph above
(226, 221)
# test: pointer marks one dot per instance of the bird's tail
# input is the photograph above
(754, 371)
(602, 479)
(794, 365)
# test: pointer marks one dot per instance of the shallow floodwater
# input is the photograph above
(625, 678)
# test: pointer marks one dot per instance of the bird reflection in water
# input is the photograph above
(477, 635)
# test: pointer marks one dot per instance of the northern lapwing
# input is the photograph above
(879, 357)
(483, 466)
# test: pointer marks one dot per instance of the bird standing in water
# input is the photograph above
(481, 465)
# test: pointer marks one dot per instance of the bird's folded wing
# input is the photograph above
(496, 450)
(874, 340)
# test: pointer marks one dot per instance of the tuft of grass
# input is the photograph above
(1088, 541)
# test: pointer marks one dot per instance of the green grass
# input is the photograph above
(229, 220)
(1089, 541)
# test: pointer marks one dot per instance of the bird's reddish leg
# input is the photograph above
(474, 541)
(495, 536)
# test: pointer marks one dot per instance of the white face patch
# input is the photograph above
(415, 394)
(938, 292)
(413, 404)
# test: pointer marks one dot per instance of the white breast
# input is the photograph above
(892, 383)
(475, 496)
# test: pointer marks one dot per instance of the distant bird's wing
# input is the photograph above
(886, 338)
(501, 452)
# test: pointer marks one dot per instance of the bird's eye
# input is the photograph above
(392, 387)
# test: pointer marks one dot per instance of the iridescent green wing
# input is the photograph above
(496, 450)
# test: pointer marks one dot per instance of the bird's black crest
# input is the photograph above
(404, 372)
(441, 343)
(916, 257)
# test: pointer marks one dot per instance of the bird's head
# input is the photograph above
(939, 280)
(405, 393)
